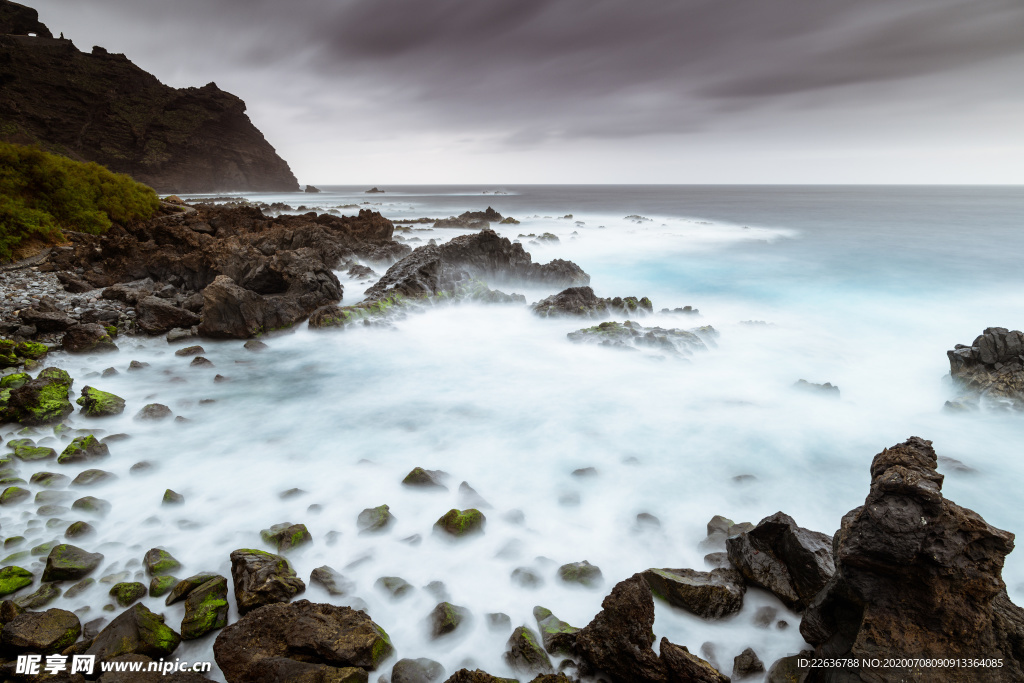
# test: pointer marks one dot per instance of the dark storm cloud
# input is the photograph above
(536, 70)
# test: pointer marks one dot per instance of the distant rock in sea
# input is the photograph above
(311, 189)
(374, 190)
(101, 107)
(990, 370)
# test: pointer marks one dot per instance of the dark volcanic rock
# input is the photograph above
(135, 631)
(524, 654)
(100, 107)
(473, 220)
(88, 338)
(261, 578)
(992, 368)
(558, 637)
(581, 301)
(42, 401)
(917, 576)
(711, 595)
(41, 632)
(157, 316)
(436, 268)
(792, 562)
(275, 638)
(683, 667)
(631, 335)
(19, 20)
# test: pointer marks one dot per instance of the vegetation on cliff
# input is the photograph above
(43, 193)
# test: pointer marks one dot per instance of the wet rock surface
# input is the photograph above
(633, 336)
(261, 578)
(990, 371)
(710, 595)
(582, 302)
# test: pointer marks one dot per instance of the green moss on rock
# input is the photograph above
(460, 523)
(159, 562)
(67, 563)
(13, 494)
(96, 403)
(286, 536)
(206, 609)
(83, 449)
(15, 381)
(13, 579)
(125, 594)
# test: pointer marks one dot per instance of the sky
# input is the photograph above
(597, 91)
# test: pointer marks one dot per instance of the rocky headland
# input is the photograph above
(98, 106)
(990, 371)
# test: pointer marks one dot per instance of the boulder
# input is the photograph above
(633, 336)
(69, 563)
(230, 311)
(206, 609)
(286, 536)
(181, 589)
(416, 671)
(41, 401)
(558, 637)
(96, 403)
(135, 631)
(447, 618)
(792, 562)
(917, 576)
(159, 562)
(83, 449)
(159, 316)
(684, 667)
(40, 632)
(267, 640)
(581, 301)
(261, 578)
(524, 654)
(991, 369)
(374, 520)
(582, 573)
(88, 338)
(461, 523)
(46, 320)
(711, 595)
(746, 665)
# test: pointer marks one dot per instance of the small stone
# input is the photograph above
(190, 351)
(153, 411)
(527, 578)
(182, 588)
(396, 586)
(416, 671)
(582, 573)
(161, 585)
(201, 362)
(93, 477)
(426, 479)
(79, 529)
(373, 520)
(49, 479)
(91, 504)
(68, 563)
(524, 654)
(83, 449)
(137, 365)
(498, 621)
(255, 345)
(746, 664)
(331, 581)
(43, 596)
(142, 467)
(159, 562)
(286, 536)
(13, 579)
(96, 403)
(461, 523)
(172, 498)
(446, 618)
(127, 593)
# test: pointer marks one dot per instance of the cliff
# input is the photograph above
(101, 107)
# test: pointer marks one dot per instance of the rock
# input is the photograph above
(261, 578)
(581, 301)
(127, 593)
(474, 220)
(96, 403)
(683, 666)
(137, 365)
(206, 609)
(499, 621)
(69, 563)
(792, 562)
(50, 480)
(477, 676)
(153, 411)
(416, 671)
(711, 595)
(83, 449)
(42, 401)
(631, 335)
(468, 497)
(93, 477)
(135, 631)
(558, 637)
(43, 596)
(524, 654)
(331, 581)
(916, 576)
(255, 345)
(991, 369)
(582, 573)
(461, 523)
(159, 562)
(826, 389)
(373, 520)
(311, 189)
(396, 586)
(40, 632)
(527, 578)
(446, 618)
(618, 641)
(788, 669)
(190, 351)
(432, 269)
(200, 362)
(13, 579)
(422, 478)
(746, 664)
(182, 588)
(91, 504)
(13, 495)
(79, 529)
(179, 333)
(88, 338)
(46, 321)
(158, 316)
(172, 498)
(159, 586)
(286, 536)
(330, 638)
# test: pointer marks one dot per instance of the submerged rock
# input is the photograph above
(917, 576)
(375, 520)
(422, 478)
(460, 523)
(301, 641)
(990, 370)
(581, 301)
(631, 335)
(792, 562)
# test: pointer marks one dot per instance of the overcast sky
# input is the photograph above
(598, 91)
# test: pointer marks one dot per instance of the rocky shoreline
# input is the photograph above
(217, 272)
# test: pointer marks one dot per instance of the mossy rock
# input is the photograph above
(15, 557)
(181, 589)
(582, 573)
(160, 586)
(12, 541)
(91, 504)
(79, 529)
(93, 478)
(373, 520)
(31, 350)
(135, 631)
(331, 581)
(68, 563)
(421, 478)
(43, 548)
(153, 411)
(51, 510)
(206, 609)
(34, 453)
(41, 597)
(50, 480)
(461, 523)
(96, 403)
(558, 637)
(172, 498)
(396, 586)
(159, 562)
(126, 594)
(23, 442)
(15, 381)
(83, 449)
(286, 536)
(43, 400)
(12, 481)
(13, 579)
(13, 495)
(50, 496)
(524, 654)
(446, 618)
(79, 588)
(61, 429)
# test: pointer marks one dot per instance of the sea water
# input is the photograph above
(865, 288)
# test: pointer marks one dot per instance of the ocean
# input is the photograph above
(862, 287)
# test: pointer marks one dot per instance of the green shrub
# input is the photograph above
(43, 193)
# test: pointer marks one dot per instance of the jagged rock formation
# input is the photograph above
(437, 268)
(633, 336)
(991, 369)
(101, 107)
(473, 220)
(581, 301)
(916, 576)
